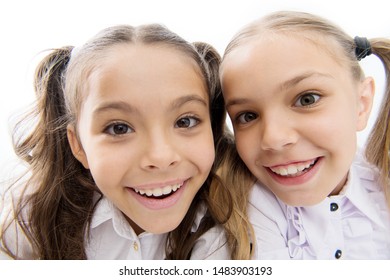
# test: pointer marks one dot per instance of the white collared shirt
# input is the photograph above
(352, 225)
(112, 238)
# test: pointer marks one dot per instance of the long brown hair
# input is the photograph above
(60, 194)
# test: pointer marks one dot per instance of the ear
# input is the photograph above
(76, 147)
(365, 101)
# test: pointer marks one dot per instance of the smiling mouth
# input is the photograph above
(294, 170)
(159, 193)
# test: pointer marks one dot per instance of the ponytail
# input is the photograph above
(48, 111)
(60, 205)
(378, 144)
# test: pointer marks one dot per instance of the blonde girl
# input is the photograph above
(121, 152)
(297, 95)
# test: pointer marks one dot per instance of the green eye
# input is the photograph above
(246, 117)
(307, 99)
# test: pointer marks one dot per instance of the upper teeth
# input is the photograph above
(292, 169)
(159, 191)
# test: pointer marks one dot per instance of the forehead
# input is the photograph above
(132, 72)
(139, 54)
(271, 47)
(267, 63)
(144, 64)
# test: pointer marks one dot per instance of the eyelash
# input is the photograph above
(112, 127)
(239, 117)
(193, 121)
(307, 94)
(191, 118)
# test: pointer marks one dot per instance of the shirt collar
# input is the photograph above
(362, 182)
(106, 211)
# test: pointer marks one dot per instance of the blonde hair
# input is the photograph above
(238, 178)
(312, 27)
(378, 143)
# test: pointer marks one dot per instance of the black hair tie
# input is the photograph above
(363, 47)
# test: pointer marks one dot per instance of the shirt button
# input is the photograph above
(338, 254)
(135, 246)
(333, 207)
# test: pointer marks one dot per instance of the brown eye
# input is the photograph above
(118, 129)
(187, 122)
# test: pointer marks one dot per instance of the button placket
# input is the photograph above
(336, 220)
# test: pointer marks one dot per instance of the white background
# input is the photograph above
(29, 27)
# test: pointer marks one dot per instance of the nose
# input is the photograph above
(277, 133)
(159, 153)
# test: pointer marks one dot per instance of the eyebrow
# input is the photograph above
(285, 85)
(237, 101)
(296, 80)
(128, 108)
(177, 103)
(117, 105)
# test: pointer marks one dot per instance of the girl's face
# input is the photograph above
(144, 132)
(295, 111)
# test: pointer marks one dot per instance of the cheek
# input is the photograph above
(205, 162)
(338, 130)
(201, 152)
(246, 146)
(106, 165)
(207, 157)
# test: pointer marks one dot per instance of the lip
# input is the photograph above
(297, 180)
(159, 203)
